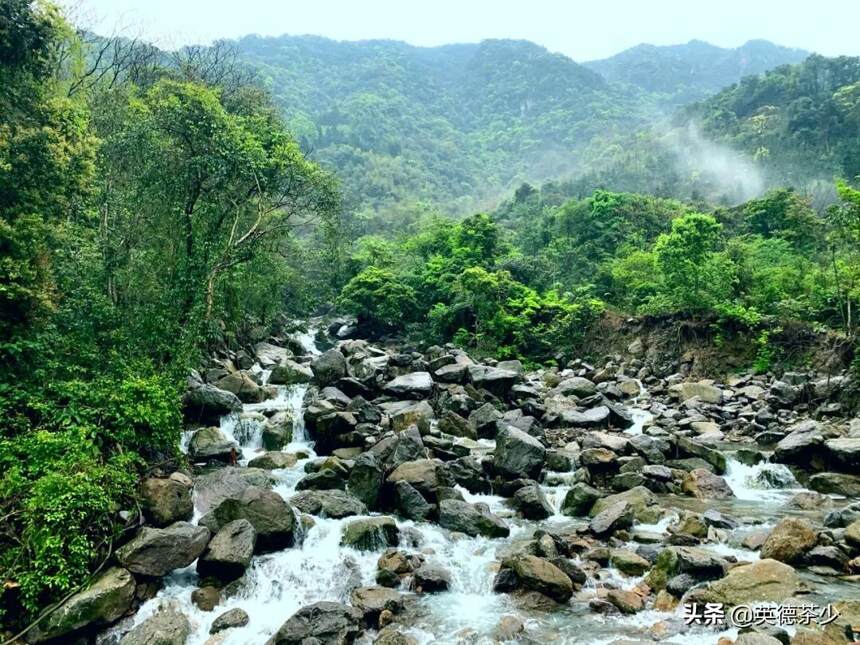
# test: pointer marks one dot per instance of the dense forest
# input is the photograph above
(156, 207)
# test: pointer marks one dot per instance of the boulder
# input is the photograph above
(268, 513)
(614, 517)
(214, 487)
(592, 418)
(689, 448)
(468, 473)
(484, 420)
(836, 484)
(274, 460)
(289, 372)
(628, 562)
(165, 501)
(365, 480)
(627, 602)
(579, 499)
(453, 373)
(471, 519)
(703, 484)
(425, 475)
(410, 503)
(105, 601)
(323, 623)
(370, 534)
(576, 386)
(537, 574)
(416, 385)
(532, 503)
(844, 453)
(757, 582)
(328, 503)
(639, 498)
(207, 403)
(229, 552)
(789, 540)
(243, 386)
(704, 391)
(404, 414)
(801, 445)
(211, 444)
(269, 354)
(157, 552)
(372, 601)
(229, 619)
(430, 578)
(328, 367)
(168, 626)
(494, 380)
(453, 424)
(518, 454)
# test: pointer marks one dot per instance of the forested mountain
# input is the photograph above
(459, 125)
(680, 74)
(800, 121)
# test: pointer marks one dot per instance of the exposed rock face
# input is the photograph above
(169, 626)
(168, 500)
(229, 552)
(327, 623)
(157, 552)
(102, 603)
(268, 513)
(471, 519)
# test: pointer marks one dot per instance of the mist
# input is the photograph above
(714, 168)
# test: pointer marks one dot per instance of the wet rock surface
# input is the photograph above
(373, 492)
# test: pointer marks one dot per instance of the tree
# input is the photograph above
(379, 299)
(686, 260)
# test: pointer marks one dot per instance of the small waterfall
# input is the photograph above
(760, 483)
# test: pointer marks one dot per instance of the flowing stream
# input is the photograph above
(319, 568)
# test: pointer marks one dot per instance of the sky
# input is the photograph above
(583, 30)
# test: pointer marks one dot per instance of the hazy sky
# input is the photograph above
(583, 30)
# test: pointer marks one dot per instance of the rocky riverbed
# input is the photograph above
(343, 491)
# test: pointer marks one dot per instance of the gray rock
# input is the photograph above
(168, 500)
(365, 480)
(430, 578)
(416, 385)
(267, 512)
(470, 519)
(289, 372)
(518, 454)
(370, 534)
(532, 503)
(328, 503)
(579, 499)
(328, 367)
(103, 602)
(214, 487)
(207, 403)
(229, 552)
(322, 623)
(615, 517)
(410, 503)
(232, 618)
(156, 552)
(492, 379)
(211, 444)
(168, 626)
